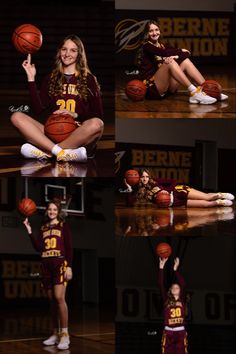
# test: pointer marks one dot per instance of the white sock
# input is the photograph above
(64, 330)
(192, 88)
(56, 149)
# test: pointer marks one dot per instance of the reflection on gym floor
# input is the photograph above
(150, 221)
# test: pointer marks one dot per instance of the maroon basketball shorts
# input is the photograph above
(180, 195)
(174, 342)
(53, 270)
(152, 91)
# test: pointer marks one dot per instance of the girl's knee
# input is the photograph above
(96, 125)
(59, 299)
(17, 118)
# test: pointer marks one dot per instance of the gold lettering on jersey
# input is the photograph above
(51, 253)
(70, 89)
(53, 232)
(173, 321)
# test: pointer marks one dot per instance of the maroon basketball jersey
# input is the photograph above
(69, 99)
(54, 241)
(174, 315)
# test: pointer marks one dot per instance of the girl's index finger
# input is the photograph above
(29, 58)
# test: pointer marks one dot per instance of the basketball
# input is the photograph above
(163, 199)
(27, 206)
(59, 126)
(136, 90)
(212, 88)
(27, 39)
(132, 177)
(163, 250)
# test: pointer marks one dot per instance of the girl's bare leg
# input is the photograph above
(53, 310)
(190, 69)
(194, 194)
(201, 203)
(32, 131)
(164, 74)
(59, 295)
(88, 133)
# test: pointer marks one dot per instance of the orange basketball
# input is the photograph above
(163, 199)
(132, 177)
(27, 206)
(59, 126)
(163, 250)
(212, 88)
(27, 39)
(136, 90)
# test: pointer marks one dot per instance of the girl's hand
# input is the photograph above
(129, 188)
(162, 262)
(169, 60)
(155, 189)
(68, 274)
(185, 50)
(27, 225)
(65, 111)
(176, 264)
(29, 68)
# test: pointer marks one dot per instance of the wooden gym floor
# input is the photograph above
(177, 106)
(152, 221)
(22, 332)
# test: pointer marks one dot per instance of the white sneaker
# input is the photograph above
(79, 155)
(228, 196)
(52, 340)
(201, 97)
(64, 341)
(223, 97)
(32, 152)
(224, 202)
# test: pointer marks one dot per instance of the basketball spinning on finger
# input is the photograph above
(27, 207)
(27, 39)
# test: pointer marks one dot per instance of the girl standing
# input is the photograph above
(174, 338)
(55, 246)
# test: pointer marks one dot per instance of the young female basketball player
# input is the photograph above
(55, 246)
(70, 89)
(163, 68)
(181, 195)
(174, 338)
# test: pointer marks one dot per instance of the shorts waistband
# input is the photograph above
(174, 329)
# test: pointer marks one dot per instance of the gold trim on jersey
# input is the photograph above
(182, 188)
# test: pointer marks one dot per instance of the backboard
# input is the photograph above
(69, 190)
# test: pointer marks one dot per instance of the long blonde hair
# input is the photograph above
(56, 80)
